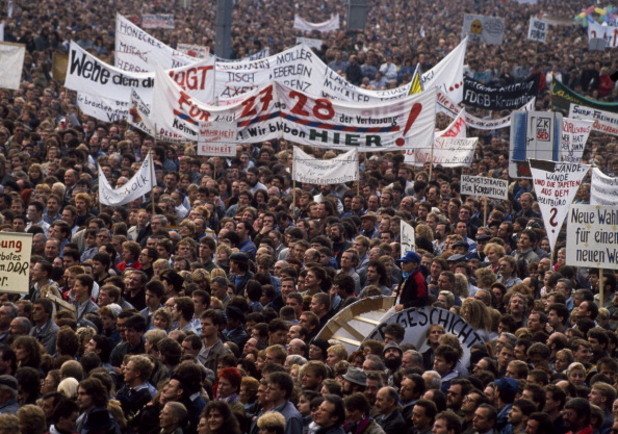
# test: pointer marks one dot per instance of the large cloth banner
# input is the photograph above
(507, 97)
(484, 29)
(103, 109)
(308, 169)
(592, 237)
(326, 26)
(537, 30)
(603, 189)
(562, 97)
(158, 21)
(555, 185)
(446, 152)
(456, 129)
(603, 121)
(574, 137)
(86, 73)
(193, 50)
(15, 250)
(277, 111)
(140, 184)
(449, 108)
(608, 33)
(11, 64)
(534, 135)
(447, 75)
(138, 51)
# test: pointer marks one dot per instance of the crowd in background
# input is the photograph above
(197, 309)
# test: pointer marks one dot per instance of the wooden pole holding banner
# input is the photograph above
(294, 197)
(601, 288)
(431, 162)
(153, 175)
(485, 212)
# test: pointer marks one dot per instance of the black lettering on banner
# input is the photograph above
(86, 68)
(511, 96)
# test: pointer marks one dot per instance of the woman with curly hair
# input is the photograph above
(217, 418)
(27, 352)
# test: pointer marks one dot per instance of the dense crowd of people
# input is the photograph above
(197, 309)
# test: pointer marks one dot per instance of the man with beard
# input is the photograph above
(577, 415)
(456, 392)
(253, 181)
(392, 359)
(336, 233)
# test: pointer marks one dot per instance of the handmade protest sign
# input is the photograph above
(158, 21)
(574, 137)
(492, 188)
(308, 169)
(537, 30)
(15, 249)
(140, 184)
(608, 33)
(603, 121)
(483, 29)
(11, 64)
(534, 135)
(555, 185)
(326, 26)
(603, 188)
(217, 139)
(103, 109)
(446, 152)
(592, 236)
(407, 237)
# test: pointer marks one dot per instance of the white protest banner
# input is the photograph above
(103, 109)
(457, 128)
(310, 42)
(492, 188)
(11, 64)
(600, 31)
(603, 189)
(216, 149)
(447, 75)
(555, 185)
(158, 21)
(603, 121)
(308, 169)
(2, 31)
(592, 238)
(417, 321)
(326, 26)
(140, 184)
(216, 139)
(447, 152)
(193, 50)
(534, 135)
(484, 29)
(449, 108)
(276, 111)
(574, 137)
(86, 73)
(138, 51)
(407, 237)
(139, 117)
(15, 250)
(537, 30)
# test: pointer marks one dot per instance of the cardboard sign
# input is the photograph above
(481, 186)
(15, 250)
(555, 185)
(407, 237)
(537, 30)
(592, 236)
(339, 170)
(484, 29)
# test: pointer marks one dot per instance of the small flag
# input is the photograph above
(416, 86)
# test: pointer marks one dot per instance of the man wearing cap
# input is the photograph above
(8, 395)
(412, 292)
(354, 380)
(392, 359)
(368, 225)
